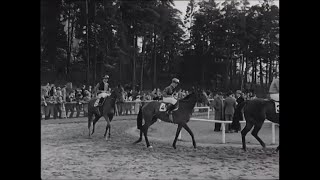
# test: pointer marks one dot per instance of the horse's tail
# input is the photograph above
(139, 118)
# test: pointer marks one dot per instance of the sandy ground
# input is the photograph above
(68, 153)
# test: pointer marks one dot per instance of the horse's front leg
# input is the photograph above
(177, 134)
(186, 127)
(107, 127)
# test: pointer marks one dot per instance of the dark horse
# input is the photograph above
(255, 112)
(107, 110)
(150, 112)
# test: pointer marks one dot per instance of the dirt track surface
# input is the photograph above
(68, 153)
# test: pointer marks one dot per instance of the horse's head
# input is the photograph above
(117, 93)
(201, 96)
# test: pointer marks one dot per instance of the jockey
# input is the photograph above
(168, 97)
(102, 91)
(274, 90)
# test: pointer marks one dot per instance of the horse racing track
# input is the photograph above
(68, 153)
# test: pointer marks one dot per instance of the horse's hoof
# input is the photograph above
(244, 150)
(150, 147)
(264, 149)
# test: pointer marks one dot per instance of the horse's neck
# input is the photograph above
(190, 102)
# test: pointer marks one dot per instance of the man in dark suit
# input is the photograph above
(229, 107)
(238, 114)
(218, 110)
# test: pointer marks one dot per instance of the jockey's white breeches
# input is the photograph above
(103, 95)
(170, 100)
(275, 96)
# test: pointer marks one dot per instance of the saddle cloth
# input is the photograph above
(277, 106)
(163, 107)
(96, 103)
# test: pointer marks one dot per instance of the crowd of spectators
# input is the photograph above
(68, 99)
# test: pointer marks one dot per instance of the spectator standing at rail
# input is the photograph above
(58, 104)
(237, 117)
(78, 102)
(218, 108)
(229, 108)
(70, 99)
(83, 89)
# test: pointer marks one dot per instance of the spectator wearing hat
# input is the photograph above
(218, 110)
(86, 99)
(69, 104)
(237, 117)
(229, 108)
(58, 103)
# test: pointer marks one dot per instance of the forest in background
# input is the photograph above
(217, 44)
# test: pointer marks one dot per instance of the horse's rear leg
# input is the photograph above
(90, 115)
(244, 132)
(140, 138)
(254, 133)
(177, 134)
(145, 127)
(95, 120)
(186, 127)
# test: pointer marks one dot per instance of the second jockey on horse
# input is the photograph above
(168, 97)
(102, 91)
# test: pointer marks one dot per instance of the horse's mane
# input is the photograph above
(186, 98)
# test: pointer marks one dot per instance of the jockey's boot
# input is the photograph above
(100, 101)
(98, 107)
(170, 108)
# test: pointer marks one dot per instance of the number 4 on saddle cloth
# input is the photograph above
(98, 105)
(165, 108)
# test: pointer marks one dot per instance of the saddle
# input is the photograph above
(97, 104)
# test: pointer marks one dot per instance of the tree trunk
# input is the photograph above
(246, 72)
(68, 43)
(88, 54)
(52, 22)
(235, 73)
(252, 73)
(267, 74)
(154, 84)
(142, 63)
(241, 76)
(270, 70)
(261, 73)
(231, 72)
(95, 47)
(134, 62)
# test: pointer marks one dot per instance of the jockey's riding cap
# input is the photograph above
(175, 80)
(105, 77)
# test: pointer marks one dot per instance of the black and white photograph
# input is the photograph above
(159, 89)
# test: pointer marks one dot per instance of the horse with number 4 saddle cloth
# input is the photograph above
(181, 114)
